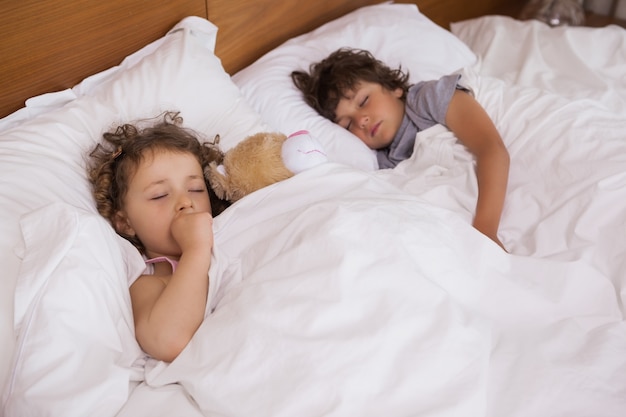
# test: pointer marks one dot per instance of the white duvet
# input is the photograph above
(370, 294)
(358, 299)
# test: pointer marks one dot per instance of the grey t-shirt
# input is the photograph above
(426, 105)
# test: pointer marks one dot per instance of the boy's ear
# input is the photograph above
(398, 92)
(122, 225)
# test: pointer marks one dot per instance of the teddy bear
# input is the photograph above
(263, 159)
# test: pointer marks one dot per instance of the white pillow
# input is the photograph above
(397, 34)
(76, 342)
(43, 155)
(204, 32)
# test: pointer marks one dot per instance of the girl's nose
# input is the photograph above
(184, 202)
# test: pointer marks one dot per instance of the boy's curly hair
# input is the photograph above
(332, 78)
(114, 161)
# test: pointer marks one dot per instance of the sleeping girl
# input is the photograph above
(149, 184)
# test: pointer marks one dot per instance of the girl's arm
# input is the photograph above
(471, 124)
(169, 309)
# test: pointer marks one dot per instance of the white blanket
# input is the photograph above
(559, 99)
(370, 294)
(578, 63)
(567, 182)
(358, 299)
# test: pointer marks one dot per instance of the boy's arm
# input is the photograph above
(471, 124)
(169, 310)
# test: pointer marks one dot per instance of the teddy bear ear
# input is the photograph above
(216, 175)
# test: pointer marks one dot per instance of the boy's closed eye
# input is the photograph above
(361, 103)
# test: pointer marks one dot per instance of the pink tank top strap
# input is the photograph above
(158, 259)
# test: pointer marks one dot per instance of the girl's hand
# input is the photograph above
(193, 230)
(168, 312)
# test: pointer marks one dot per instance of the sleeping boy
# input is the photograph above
(377, 104)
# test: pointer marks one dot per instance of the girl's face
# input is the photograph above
(371, 112)
(164, 185)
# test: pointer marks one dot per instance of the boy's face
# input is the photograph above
(371, 112)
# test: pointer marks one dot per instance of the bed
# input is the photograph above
(344, 290)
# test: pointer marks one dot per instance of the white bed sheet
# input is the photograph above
(375, 297)
(574, 62)
(560, 97)
(567, 183)
(537, 333)
(345, 292)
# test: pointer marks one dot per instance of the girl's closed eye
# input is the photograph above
(197, 186)
(364, 101)
(158, 197)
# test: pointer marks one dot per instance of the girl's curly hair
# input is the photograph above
(332, 78)
(114, 161)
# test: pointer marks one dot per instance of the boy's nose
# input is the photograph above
(363, 121)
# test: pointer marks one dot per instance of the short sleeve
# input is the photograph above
(427, 102)
(426, 105)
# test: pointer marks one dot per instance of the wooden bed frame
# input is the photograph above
(52, 45)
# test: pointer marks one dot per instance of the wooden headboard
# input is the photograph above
(53, 44)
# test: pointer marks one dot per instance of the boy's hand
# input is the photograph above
(493, 235)
(475, 129)
(495, 239)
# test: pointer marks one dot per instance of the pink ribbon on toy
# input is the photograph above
(299, 132)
